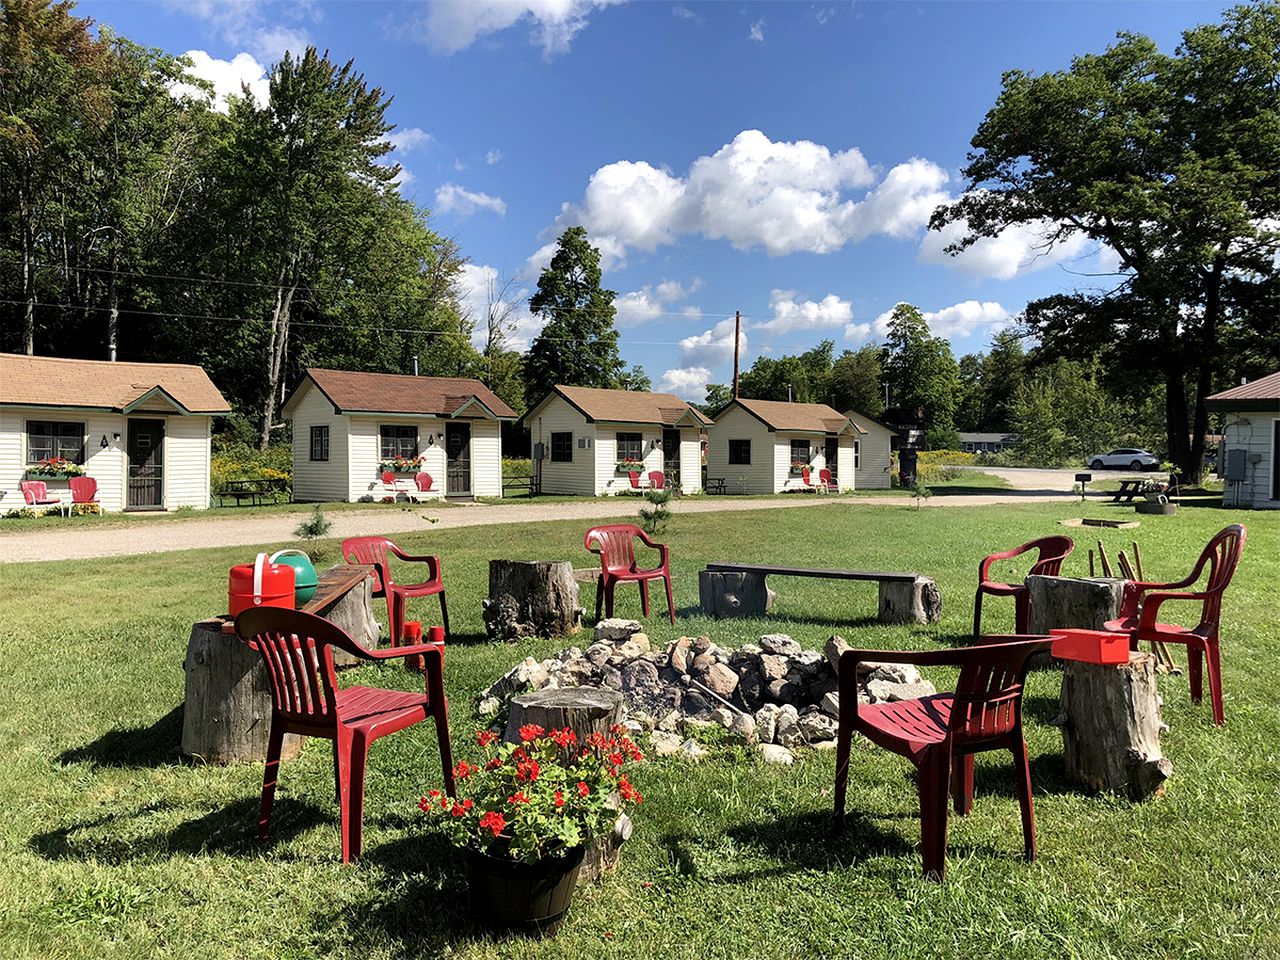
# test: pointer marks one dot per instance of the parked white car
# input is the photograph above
(1125, 458)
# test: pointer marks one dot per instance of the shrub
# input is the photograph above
(937, 466)
(237, 460)
(653, 518)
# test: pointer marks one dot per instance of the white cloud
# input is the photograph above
(612, 256)
(824, 15)
(756, 32)
(791, 313)
(476, 286)
(901, 203)
(453, 25)
(955, 322)
(244, 23)
(461, 202)
(1016, 250)
(687, 383)
(684, 13)
(492, 157)
(409, 139)
(649, 302)
(711, 346)
(227, 76)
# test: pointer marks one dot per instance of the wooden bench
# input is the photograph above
(1128, 490)
(739, 589)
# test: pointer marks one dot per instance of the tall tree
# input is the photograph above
(579, 344)
(856, 381)
(1172, 161)
(1003, 371)
(919, 368)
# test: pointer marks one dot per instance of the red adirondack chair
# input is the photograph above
(1141, 603)
(305, 699)
(615, 545)
(657, 480)
(940, 734)
(36, 494)
(376, 551)
(1051, 551)
(84, 490)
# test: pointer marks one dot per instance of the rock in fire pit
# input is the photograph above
(773, 693)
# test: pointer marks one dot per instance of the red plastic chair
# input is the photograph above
(84, 490)
(1140, 607)
(826, 481)
(1051, 551)
(940, 734)
(657, 480)
(375, 551)
(616, 549)
(305, 699)
(36, 494)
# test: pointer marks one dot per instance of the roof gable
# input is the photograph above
(106, 385)
(353, 391)
(1248, 396)
(626, 406)
(796, 417)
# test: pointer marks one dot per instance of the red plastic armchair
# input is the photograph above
(36, 494)
(615, 545)
(1051, 551)
(84, 490)
(657, 480)
(1141, 603)
(940, 734)
(305, 699)
(378, 551)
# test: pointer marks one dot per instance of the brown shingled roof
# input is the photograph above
(1247, 396)
(799, 417)
(102, 384)
(351, 391)
(629, 406)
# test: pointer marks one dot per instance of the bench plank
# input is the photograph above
(781, 571)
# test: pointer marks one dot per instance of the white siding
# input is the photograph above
(486, 458)
(759, 476)
(1255, 433)
(690, 461)
(874, 462)
(318, 480)
(846, 476)
(608, 480)
(579, 476)
(364, 454)
(362, 459)
(186, 462)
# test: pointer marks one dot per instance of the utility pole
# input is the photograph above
(737, 336)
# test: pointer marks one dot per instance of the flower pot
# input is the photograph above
(526, 897)
(1156, 509)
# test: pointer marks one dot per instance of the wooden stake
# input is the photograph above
(1163, 656)
(1091, 573)
(1137, 559)
(1102, 559)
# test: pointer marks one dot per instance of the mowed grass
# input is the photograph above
(114, 847)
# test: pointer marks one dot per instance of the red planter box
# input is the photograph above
(1090, 646)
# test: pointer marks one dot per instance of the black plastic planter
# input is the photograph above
(529, 898)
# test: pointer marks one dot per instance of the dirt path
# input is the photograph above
(1057, 480)
(52, 543)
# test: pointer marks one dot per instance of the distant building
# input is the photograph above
(872, 453)
(987, 442)
(1248, 454)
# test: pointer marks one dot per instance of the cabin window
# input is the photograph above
(399, 441)
(740, 452)
(800, 451)
(857, 455)
(47, 439)
(630, 446)
(562, 448)
(320, 443)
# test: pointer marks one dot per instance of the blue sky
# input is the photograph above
(774, 158)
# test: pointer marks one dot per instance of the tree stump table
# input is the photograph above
(584, 710)
(1084, 603)
(226, 716)
(1110, 725)
(531, 598)
(732, 593)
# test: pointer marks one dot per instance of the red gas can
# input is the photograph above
(260, 584)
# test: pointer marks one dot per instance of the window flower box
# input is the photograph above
(55, 467)
(401, 465)
(798, 467)
(627, 466)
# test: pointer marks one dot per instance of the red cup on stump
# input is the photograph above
(413, 634)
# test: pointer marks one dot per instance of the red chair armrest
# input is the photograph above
(1151, 606)
(433, 564)
(984, 568)
(392, 653)
(660, 547)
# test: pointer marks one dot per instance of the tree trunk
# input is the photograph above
(28, 274)
(1111, 727)
(279, 338)
(584, 710)
(227, 714)
(910, 601)
(531, 598)
(1085, 603)
(733, 594)
(113, 305)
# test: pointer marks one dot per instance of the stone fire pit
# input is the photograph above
(773, 695)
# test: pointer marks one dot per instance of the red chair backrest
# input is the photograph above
(616, 545)
(83, 489)
(388, 478)
(1053, 550)
(988, 697)
(423, 480)
(657, 479)
(33, 491)
(824, 477)
(295, 650)
(1222, 554)
(371, 550)
(804, 475)
(634, 476)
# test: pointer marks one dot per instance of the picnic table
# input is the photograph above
(1128, 490)
(255, 490)
(527, 483)
(717, 485)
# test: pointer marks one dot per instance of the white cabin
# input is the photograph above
(140, 430)
(1250, 448)
(590, 440)
(872, 453)
(351, 428)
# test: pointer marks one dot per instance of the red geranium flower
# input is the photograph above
(463, 770)
(565, 737)
(493, 821)
(458, 810)
(517, 798)
(486, 738)
(527, 771)
(493, 764)
(531, 731)
(559, 799)
(583, 789)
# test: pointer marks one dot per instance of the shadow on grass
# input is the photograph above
(230, 830)
(153, 746)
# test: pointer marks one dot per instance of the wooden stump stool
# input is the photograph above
(734, 594)
(584, 710)
(531, 598)
(910, 601)
(1110, 724)
(1083, 602)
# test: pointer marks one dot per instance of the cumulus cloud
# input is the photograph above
(955, 322)
(612, 256)
(650, 302)
(756, 32)
(711, 346)
(792, 313)
(1016, 250)
(453, 25)
(684, 13)
(492, 157)
(461, 202)
(227, 76)
(687, 383)
(245, 23)
(409, 139)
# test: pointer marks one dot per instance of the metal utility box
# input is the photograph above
(539, 451)
(1237, 460)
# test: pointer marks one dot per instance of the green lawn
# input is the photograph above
(113, 847)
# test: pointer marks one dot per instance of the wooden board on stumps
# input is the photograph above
(734, 594)
(227, 714)
(1110, 723)
(584, 710)
(531, 598)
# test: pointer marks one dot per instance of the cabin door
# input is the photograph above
(671, 458)
(146, 465)
(457, 450)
